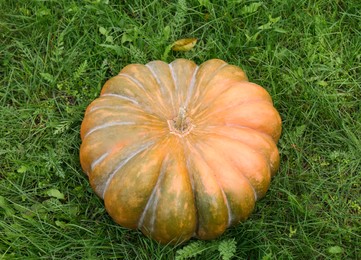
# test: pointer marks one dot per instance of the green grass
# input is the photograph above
(54, 58)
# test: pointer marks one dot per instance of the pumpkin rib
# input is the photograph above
(239, 175)
(115, 102)
(191, 87)
(252, 149)
(182, 93)
(119, 84)
(187, 146)
(247, 127)
(202, 76)
(263, 118)
(247, 91)
(254, 183)
(214, 128)
(172, 203)
(138, 84)
(144, 77)
(124, 162)
(225, 199)
(190, 177)
(126, 112)
(199, 83)
(134, 101)
(119, 108)
(152, 195)
(173, 77)
(240, 141)
(93, 146)
(106, 125)
(134, 80)
(130, 189)
(161, 87)
(207, 229)
(98, 160)
(160, 84)
(121, 111)
(205, 114)
(119, 138)
(265, 137)
(244, 143)
(199, 131)
(206, 89)
(103, 118)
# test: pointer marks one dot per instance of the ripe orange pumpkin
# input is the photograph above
(179, 150)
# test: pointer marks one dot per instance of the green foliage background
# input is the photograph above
(56, 55)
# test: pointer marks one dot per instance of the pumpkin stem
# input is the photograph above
(180, 121)
(180, 125)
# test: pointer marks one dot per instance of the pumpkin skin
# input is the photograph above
(179, 150)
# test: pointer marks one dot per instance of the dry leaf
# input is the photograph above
(184, 44)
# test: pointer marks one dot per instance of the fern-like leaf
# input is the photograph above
(227, 248)
(47, 77)
(58, 49)
(138, 56)
(80, 71)
(191, 250)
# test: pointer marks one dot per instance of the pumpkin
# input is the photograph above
(179, 150)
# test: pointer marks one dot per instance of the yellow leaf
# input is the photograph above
(184, 44)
